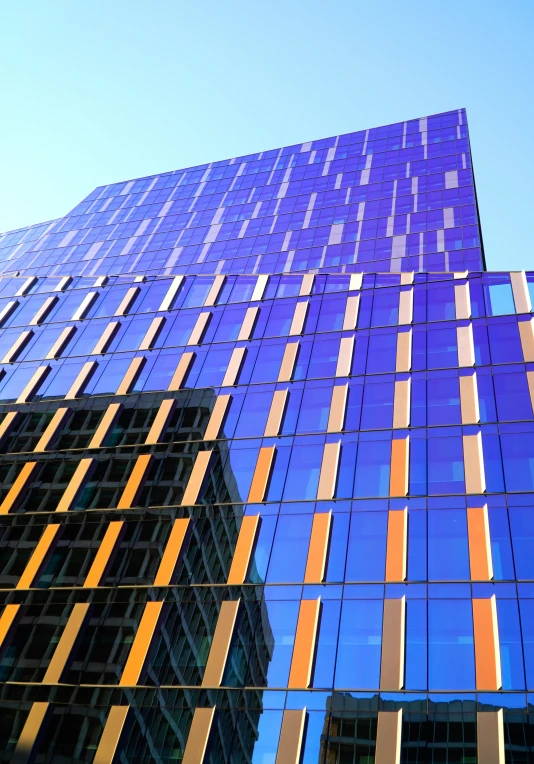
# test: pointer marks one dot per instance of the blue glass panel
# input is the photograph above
(303, 473)
(451, 645)
(290, 549)
(445, 466)
(416, 645)
(448, 551)
(359, 647)
(366, 558)
(372, 469)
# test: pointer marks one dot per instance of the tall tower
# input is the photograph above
(267, 466)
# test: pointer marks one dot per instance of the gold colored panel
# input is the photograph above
(199, 732)
(398, 478)
(329, 468)
(198, 330)
(403, 361)
(141, 644)
(469, 399)
(87, 303)
(276, 413)
(172, 293)
(243, 550)
(153, 332)
(355, 281)
(18, 346)
(307, 284)
(401, 404)
(388, 737)
(338, 407)
(107, 337)
(105, 425)
(107, 747)
(7, 619)
(40, 553)
(44, 310)
(397, 543)
(407, 278)
(318, 548)
(182, 370)
(487, 650)
(344, 358)
(197, 478)
(490, 737)
(249, 322)
(259, 289)
(217, 417)
(462, 301)
(466, 347)
(526, 335)
(7, 424)
(299, 318)
(215, 290)
(234, 367)
(28, 737)
(19, 487)
(34, 384)
(127, 301)
(302, 660)
(66, 643)
(393, 636)
(478, 534)
(350, 318)
(530, 380)
(79, 384)
(475, 478)
(405, 307)
(81, 475)
(103, 555)
(63, 284)
(171, 555)
(132, 375)
(220, 646)
(291, 736)
(58, 421)
(161, 421)
(61, 343)
(288, 362)
(523, 303)
(262, 474)
(136, 481)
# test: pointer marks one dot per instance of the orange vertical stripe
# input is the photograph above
(397, 542)
(398, 478)
(220, 645)
(136, 481)
(103, 555)
(17, 491)
(318, 548)
(171, 555)
(478, 533)
(141, 644)
(262, 474)
(487, 650)
(243, 550)
(301, 670)
(39, 555)
(197, 478)
(199, 732)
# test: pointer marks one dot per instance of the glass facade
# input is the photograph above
(267, 461)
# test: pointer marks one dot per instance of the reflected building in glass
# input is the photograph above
(267, 466)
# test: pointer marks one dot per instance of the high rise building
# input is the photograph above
(267, 461)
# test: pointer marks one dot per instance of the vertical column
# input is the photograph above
(199, 732)
(7, 620)
(466, 347)
(388, 737)
(480, 560)
(249, 322)
(215, 290)
(393, 635)
(401, 404)
(397, 543)
(475, 478)
(132, 375)
(307, 284)
(107, 747)
(462, 301)
(107, 338)
(66, 643)
(301, 670)
(405, 306)
(182, 370)
(490, 737)
(19, 488)
(318, 548)
(399, 471)
(329, 468)
(262, 474)
(344, 359)
(237, 359)
(172, 292)
(82, 380)
(404, 351)
(136, 481)
(276, 413)
(243, 550)
(350, 318)
(161, 421)
(288, 362)
(61, 343)
(220, 646)
(106, 424)
(8, 422)
(58, 421)
(523, 303)
(217, 417)
(171, 555)
(299, 319)
(199, 329)
(291, 737)
(338, 408)
(469, 398)
(34, 384)
(153, 332)
(141, 644)
(526, 334)
(127, 301)
(487, 650)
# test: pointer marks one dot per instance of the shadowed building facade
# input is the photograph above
(266, 466)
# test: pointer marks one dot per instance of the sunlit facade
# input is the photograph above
(267, 460)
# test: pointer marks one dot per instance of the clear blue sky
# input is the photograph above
(102, 91)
